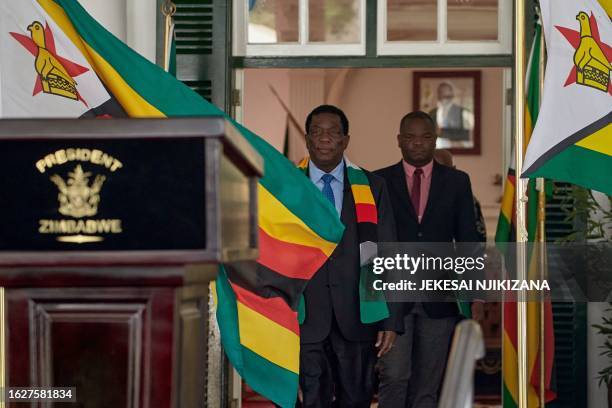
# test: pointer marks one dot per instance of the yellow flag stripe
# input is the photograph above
(507, 204)
(509, 364)
(362, 194)
(212, 286)
(510, 359)
(130, 100)
(280, 223)
(607, 6)
(600, 141)
(533, 343)
(268, 339)
(528, 126)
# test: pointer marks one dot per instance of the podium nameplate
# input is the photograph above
(126, 186)
(114, 194)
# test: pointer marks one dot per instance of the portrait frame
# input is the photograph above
(459, 132)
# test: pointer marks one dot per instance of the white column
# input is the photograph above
(132, 21)
(110, 13)
(141, 28)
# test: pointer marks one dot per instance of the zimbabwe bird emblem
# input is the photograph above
(593, 67)
(592, 56)
(55, 74)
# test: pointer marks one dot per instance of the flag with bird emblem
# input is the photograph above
(48, 75)
(572, 139)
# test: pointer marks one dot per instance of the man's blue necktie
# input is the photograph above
(327, 190)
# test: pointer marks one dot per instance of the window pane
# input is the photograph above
(334, 21)
(472, 20)
(273, 21)
(412, 20)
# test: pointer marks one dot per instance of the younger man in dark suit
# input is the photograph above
(338, 351)
(431, 203)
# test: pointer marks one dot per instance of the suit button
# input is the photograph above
(420, 235)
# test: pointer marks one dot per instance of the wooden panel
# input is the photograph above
(114, 331)
(114, 345)
(193, 326)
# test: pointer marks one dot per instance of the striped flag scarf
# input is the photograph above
(372, 306)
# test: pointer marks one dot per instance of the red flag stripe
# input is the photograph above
(366, 213)
(274, 308)
(288, 259)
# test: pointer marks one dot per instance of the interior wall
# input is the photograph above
(374, 99)
(261, 111)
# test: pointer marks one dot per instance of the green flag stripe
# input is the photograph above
(507, 399)
(504, 229)
(580, 166)
(227, 316)
(533, 89)
(357, 176)
(266, 378)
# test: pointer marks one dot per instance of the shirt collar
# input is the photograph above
(409, 168)
(316, 173)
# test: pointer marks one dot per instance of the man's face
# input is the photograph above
(445, 94)
(326, 141)
(417, 141)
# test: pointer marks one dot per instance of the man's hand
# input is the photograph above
(384, 342)
(478, 313)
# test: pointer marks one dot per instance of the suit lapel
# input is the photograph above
(347, 214)
(436, 188)
(401, 189)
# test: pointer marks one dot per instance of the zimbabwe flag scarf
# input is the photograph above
(372, 305)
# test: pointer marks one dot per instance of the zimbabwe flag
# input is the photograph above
(506, 232)
(57, 61)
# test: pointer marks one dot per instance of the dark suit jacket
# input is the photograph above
(334, 289)
(448, 216)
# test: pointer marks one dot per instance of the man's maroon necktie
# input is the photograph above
(415, 194)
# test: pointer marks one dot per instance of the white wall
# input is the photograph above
(132, 21)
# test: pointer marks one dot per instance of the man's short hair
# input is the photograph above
(329, 109)
(417, 115)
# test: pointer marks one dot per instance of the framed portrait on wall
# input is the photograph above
(452, 98)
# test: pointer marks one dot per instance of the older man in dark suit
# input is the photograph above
(339, 350)
(431, 203)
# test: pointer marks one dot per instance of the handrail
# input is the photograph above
(467, 347)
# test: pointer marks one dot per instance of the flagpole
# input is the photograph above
(542, 237)
(521, 198)
(168, 8)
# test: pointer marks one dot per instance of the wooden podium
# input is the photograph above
(110, 233)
